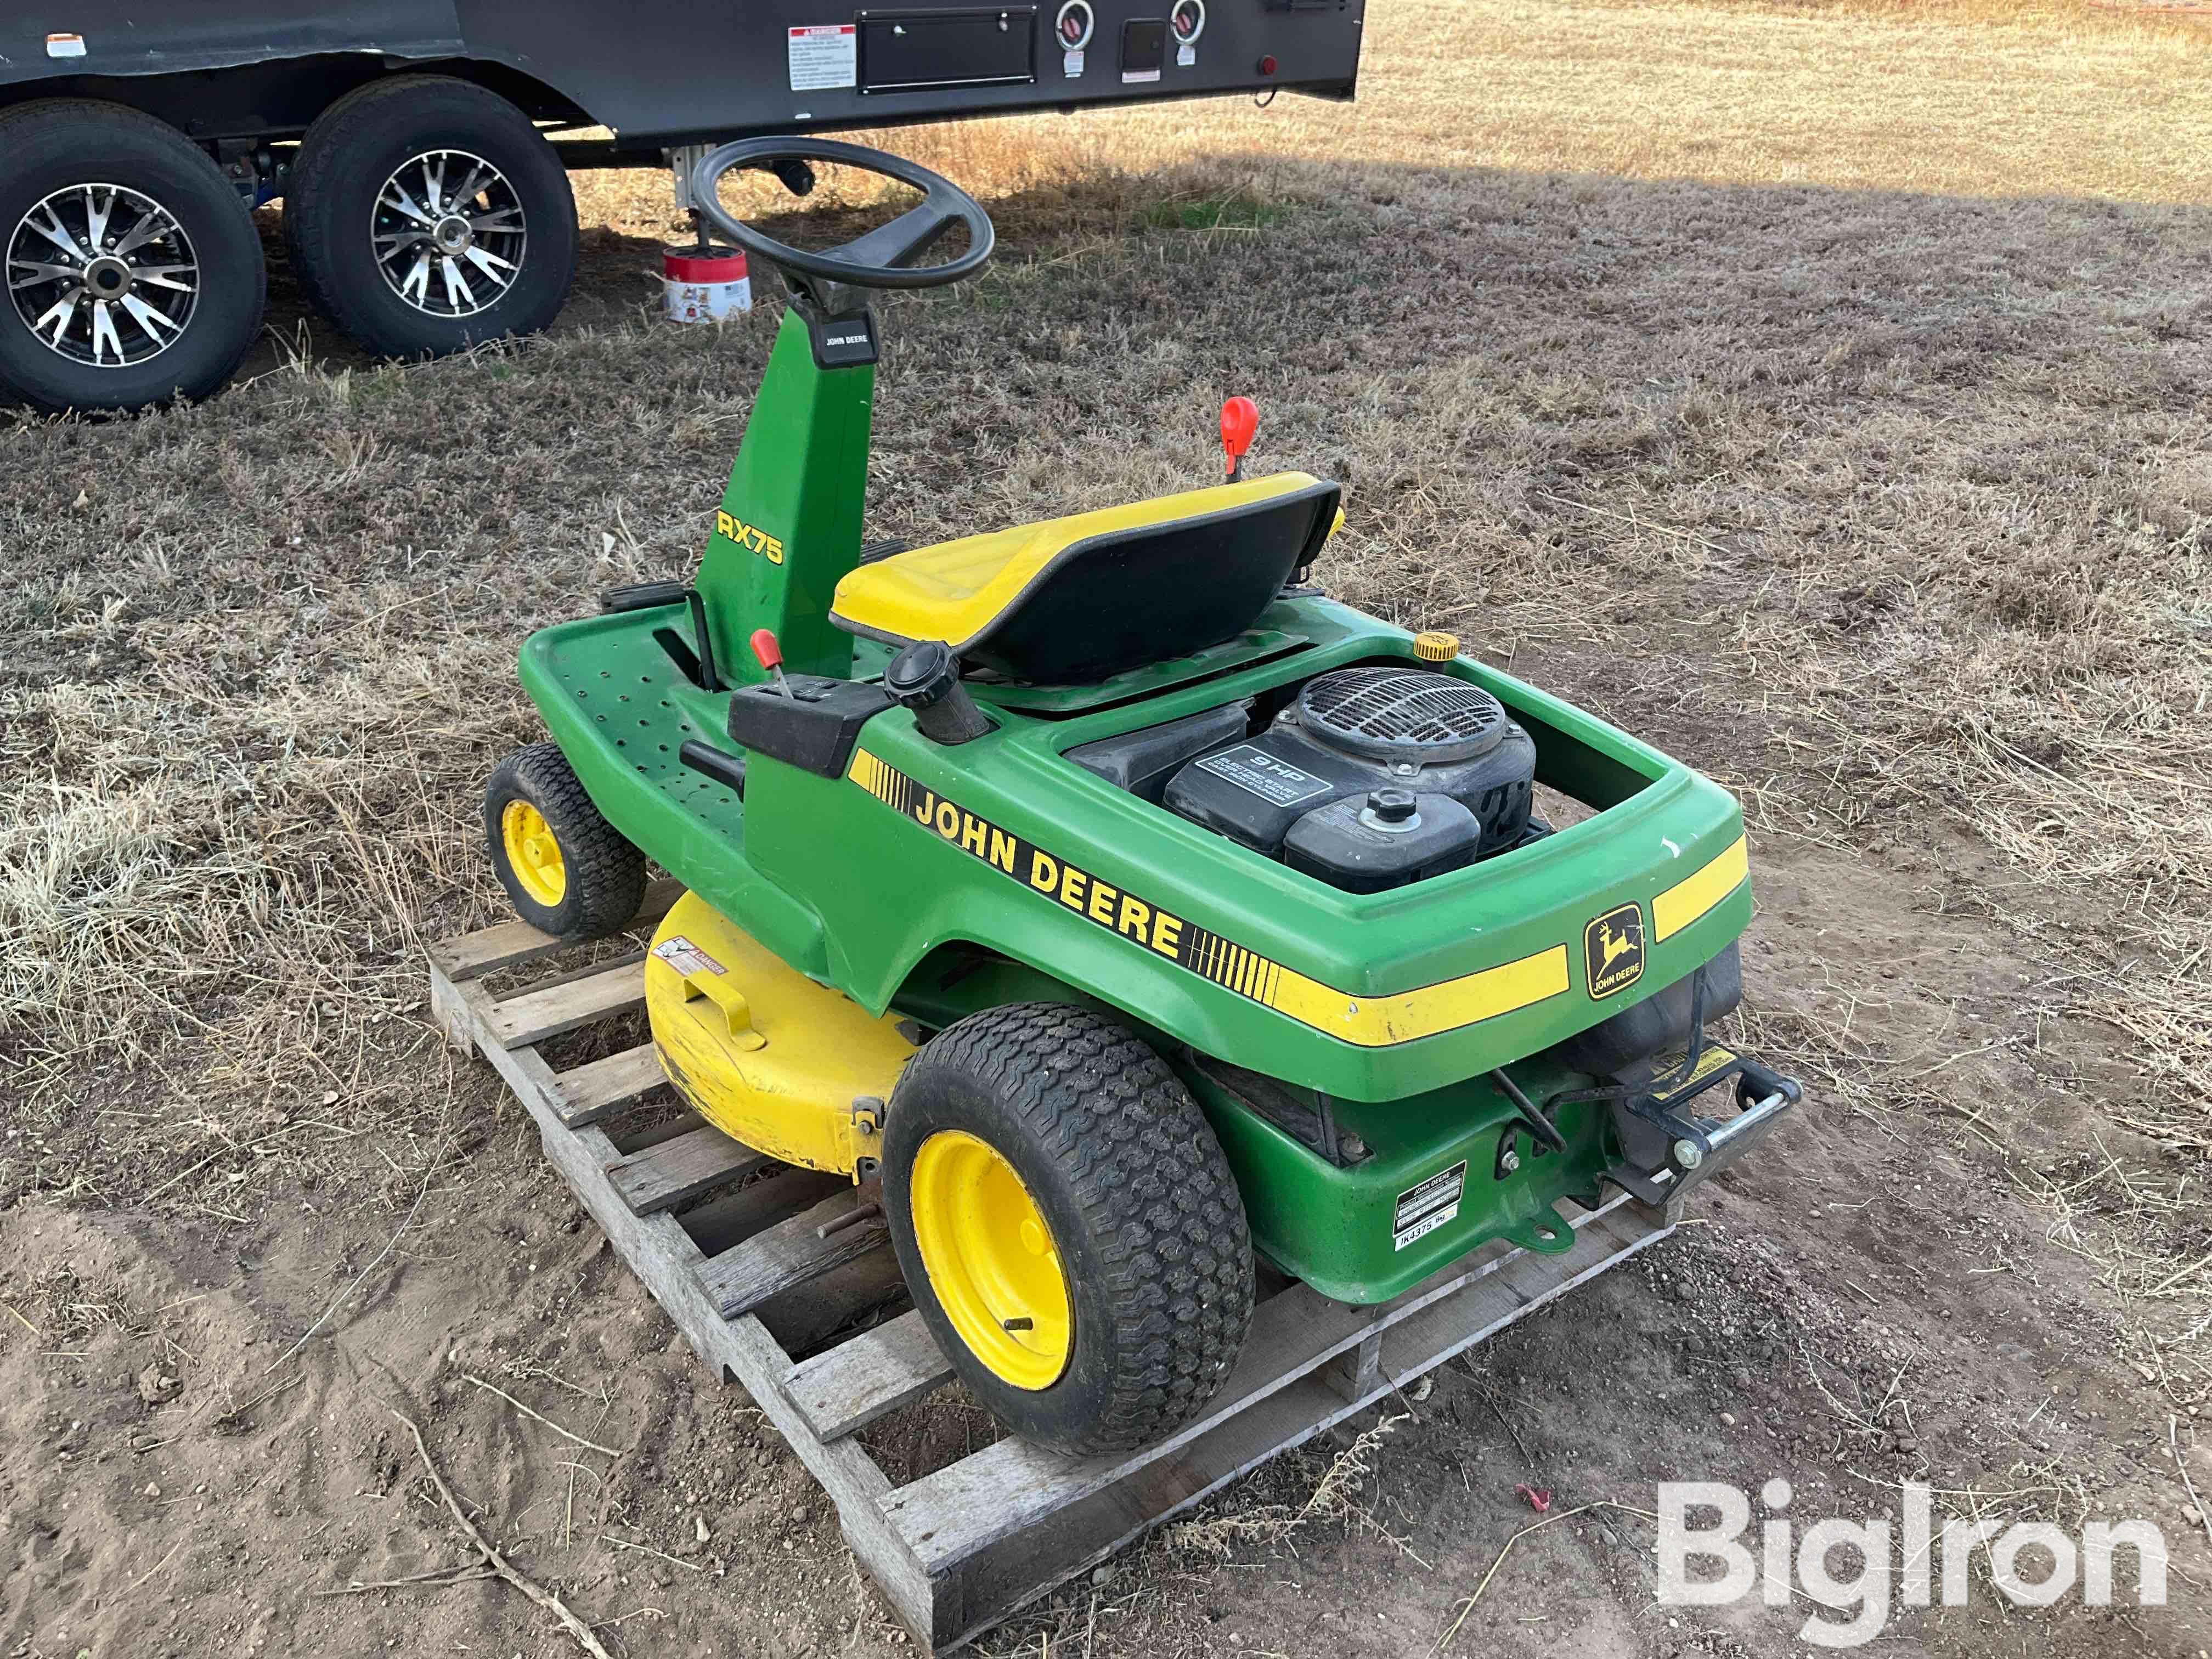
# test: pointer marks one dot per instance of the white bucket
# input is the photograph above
(705, 288)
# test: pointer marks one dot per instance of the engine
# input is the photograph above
(1368, 779)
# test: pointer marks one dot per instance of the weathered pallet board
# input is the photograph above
(807, 1245)
(511, 944)
(762, 1249)
(869, 1377)
(563, 1005)
(605, 1086)
(697, 1161)
(1009, 1484)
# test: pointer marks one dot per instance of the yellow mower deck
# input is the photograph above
(764, 1053)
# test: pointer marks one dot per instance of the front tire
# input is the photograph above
(133, 272)
(426, 215)
(570, 872)
(1067, 1226)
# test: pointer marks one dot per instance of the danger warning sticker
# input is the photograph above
(686, 957)
(823, 56)
(1427, 1205)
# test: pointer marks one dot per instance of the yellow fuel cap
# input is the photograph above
(1432, 646)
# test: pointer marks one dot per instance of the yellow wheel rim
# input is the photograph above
(990, 1258)
(532, 854)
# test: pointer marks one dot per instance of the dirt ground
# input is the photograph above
(1817, 392)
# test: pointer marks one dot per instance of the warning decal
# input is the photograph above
(1710, 1059)
(823, 56)
(686, 957)
(1427, 1206)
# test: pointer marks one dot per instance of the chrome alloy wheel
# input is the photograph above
(448, 231)
(103, 275)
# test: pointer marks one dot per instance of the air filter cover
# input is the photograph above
(1402, 715)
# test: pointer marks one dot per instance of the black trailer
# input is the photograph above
(421, 147)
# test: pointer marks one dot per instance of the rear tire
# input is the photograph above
(167, 309)
(367, 244)
(570, 872)
(1138, 1294)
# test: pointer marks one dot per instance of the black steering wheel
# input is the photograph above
(882, 257)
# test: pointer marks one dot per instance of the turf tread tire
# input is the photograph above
(116, 141)
(605, 871)
(1142, 1205)
(315, 198)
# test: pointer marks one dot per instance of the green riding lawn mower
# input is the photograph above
(1133, 913)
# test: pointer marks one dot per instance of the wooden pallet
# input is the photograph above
(957, 1550)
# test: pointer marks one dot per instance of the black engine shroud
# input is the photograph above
(1288, 791)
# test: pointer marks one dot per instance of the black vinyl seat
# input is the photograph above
(1073, 600)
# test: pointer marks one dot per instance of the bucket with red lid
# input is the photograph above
(705, 285)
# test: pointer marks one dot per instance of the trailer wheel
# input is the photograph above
(133, 270)
(426, 215)
(1067, 1226)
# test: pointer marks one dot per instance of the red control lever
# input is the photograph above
(1240, 419)
(771, 657)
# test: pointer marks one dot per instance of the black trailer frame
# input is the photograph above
(660, 74)
(132, 275)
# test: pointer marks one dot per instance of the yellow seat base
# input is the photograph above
(760, 1051)
(954, 591)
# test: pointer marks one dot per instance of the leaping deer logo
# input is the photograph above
(1612, 949)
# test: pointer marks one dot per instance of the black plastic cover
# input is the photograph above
(1142, 761)
(814, 728)
(844, 341)
(907, 51)
(1335, 846)
(1144, 47)
(1253, 791)
(1623, 1046)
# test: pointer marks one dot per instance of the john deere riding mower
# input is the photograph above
(1127, 908)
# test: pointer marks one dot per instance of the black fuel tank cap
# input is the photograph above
(1391, 806)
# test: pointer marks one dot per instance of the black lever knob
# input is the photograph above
(926, 678)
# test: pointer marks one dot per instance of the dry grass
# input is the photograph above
(1333, 1501)
(1818, 391)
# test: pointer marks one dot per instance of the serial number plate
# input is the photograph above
(1424, 1207)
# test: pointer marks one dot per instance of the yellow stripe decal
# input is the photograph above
(1375, 1022)
(1685, 900)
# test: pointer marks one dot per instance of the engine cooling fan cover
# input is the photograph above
(1409, 715)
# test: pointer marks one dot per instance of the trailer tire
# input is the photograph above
(185, 303)
(1068, 1226)
(494, 262)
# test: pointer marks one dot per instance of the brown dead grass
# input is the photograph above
(1818, 391)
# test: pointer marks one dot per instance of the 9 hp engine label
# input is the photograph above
(1259, 773)
(1427, 1205)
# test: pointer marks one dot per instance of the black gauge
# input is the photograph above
(1076, 23)
(1187, 20)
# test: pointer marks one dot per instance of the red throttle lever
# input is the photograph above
(1240, 419)
(771, 657)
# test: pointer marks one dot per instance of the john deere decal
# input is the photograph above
(1375, 1021)
(1613, 950)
